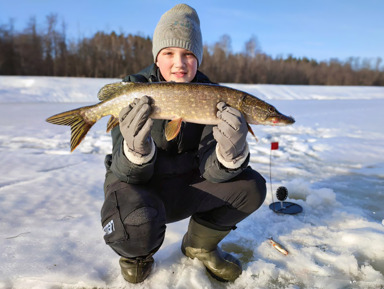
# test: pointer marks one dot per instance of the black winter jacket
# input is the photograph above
(193, 148)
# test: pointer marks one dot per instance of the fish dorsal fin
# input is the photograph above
(112, 122)
(110, 90)
(172, 128)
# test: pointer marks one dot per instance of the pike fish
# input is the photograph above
(178, 102)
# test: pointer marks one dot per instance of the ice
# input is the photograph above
(331, 160)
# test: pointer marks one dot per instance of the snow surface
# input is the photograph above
(331, 160)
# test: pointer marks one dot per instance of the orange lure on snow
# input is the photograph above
(278, 247)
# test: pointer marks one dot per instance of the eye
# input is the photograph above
(271, 109)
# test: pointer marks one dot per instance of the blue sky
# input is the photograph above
(319, 29)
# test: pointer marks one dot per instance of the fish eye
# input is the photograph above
(271, 109)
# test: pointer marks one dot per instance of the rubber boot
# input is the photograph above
(201, 242)
(136, 270)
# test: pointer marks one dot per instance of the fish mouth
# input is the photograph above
(287, 119)
(279, 119)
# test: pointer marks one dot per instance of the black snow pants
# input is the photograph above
(134, 217)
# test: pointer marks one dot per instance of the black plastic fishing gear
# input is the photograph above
(284, 207)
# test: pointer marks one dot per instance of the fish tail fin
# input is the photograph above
(75, 119)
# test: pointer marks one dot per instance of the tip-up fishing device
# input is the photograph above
(281, 207)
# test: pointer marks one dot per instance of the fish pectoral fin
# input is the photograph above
(251, 131)
(112, 122)
(172, 128)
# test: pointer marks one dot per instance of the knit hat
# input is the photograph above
(179, 27)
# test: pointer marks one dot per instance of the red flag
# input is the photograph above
(274, 145)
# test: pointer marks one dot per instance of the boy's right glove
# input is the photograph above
(135, 126)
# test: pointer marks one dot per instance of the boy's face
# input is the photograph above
(177, 64)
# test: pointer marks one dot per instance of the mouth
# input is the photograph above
(276, 118)
(180, 74)
(282, 120)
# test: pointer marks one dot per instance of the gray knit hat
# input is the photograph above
(179, 27)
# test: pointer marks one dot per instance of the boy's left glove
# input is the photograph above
(230, 133)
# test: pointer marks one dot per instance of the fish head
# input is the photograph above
(274, 117)
(257, 111)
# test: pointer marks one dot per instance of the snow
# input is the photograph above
(331, 160)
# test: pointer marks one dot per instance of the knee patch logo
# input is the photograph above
(109, 228)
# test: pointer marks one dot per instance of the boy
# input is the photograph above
(202, 174)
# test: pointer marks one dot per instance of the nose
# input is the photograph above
(179, 60)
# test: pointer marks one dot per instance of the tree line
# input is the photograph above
(49, 53)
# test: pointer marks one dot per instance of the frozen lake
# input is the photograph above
(331, 160)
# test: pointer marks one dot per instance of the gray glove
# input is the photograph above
(135, 126)
(231, 132)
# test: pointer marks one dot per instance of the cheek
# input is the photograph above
(193, 67)
(164, 69)
(161, 65)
